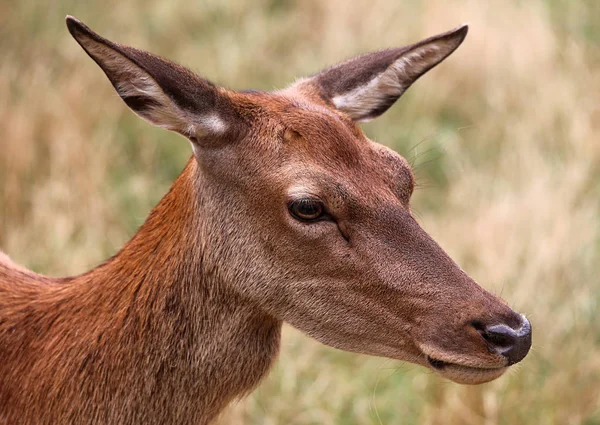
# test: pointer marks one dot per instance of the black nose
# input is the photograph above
(512, 343)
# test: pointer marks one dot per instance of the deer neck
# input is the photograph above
(200, 343)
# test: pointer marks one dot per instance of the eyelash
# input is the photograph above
(295, 209)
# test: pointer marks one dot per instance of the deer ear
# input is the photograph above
(162, 92)
(364, 87)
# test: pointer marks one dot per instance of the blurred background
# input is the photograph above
(504, 137)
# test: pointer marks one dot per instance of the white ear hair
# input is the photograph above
(160, 91)
(391, 83)
(366, 86)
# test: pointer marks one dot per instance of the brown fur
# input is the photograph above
(188, 315)
(63, 339)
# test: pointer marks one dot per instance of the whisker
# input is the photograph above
(417, 213)
(423, 164)
(372, 403)
(429, 137)
(420, 154)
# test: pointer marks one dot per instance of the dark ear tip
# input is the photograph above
(462, 31)
(455, 36)
(76, 27)
(72, 23)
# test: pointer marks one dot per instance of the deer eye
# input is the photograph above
(306, 209)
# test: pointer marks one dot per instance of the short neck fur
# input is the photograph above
(153, 327)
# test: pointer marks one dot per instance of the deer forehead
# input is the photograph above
(376, 176)
(311, 148)
(306, 129)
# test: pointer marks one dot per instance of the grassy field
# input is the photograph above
(507, 136)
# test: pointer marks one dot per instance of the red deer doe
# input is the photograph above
(286, 212)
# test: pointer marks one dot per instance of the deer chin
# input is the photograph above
(462, 374)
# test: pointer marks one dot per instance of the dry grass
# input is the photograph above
(510, 158)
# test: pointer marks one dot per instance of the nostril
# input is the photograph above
(500, 336)
(512, 343)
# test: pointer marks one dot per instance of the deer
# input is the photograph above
(285, 212)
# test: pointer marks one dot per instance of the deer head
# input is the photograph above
(309, 220)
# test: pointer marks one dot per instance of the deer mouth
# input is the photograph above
(465, 374)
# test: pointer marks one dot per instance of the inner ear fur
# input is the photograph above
(160, 91)
(366, 86)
